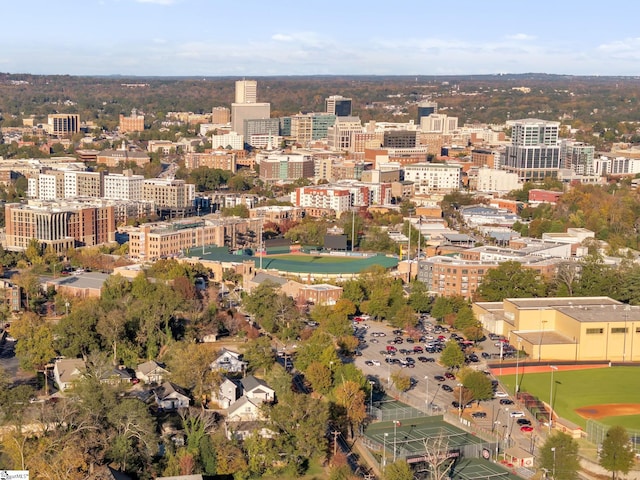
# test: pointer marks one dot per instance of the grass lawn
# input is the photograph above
(315, 258)
(580, 388)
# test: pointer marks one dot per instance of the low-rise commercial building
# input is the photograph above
(566, 329)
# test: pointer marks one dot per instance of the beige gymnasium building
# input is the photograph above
(570, 329)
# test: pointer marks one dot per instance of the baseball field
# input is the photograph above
(609, 395)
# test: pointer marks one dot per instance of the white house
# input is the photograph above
(228, 392)
(245, 410)
(151, 372)
(171, 397)
(256, 390)
(66, 370)
(229, 361)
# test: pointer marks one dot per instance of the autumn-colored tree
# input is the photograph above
(319, 376)
(351, 397)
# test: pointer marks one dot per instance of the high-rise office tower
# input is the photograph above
(426, 108)
(534, 152)
(338, 105)
(246, 91)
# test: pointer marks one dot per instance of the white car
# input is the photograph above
(517, 414)
(501, 395)
(376, 363)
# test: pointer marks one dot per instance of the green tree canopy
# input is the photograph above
(510, 280)
(559, 456)
(452, 356)
(617, 455)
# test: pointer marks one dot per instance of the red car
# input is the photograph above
(449, 375)
(526, 428)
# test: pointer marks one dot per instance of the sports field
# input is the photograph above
(609, 395)
(315, 258)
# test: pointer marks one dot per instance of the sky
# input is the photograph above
(326, 37)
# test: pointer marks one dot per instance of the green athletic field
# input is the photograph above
(315, 258)
(581, 388)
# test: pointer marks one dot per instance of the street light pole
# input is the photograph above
(553, 474)
(426, 400)
(371, 396)
(459, 400)
(553, 368)
(395, 436)
(384, 450)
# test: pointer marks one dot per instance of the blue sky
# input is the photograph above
(283, 37)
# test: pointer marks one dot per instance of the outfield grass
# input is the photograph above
(580, 388)
(315, 258)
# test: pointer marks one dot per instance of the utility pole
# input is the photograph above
(335, 434)
(353, 229)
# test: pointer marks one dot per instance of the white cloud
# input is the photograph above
(158, 2)
(281, 37)
(521, 37)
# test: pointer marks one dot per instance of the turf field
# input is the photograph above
(315, 258)
(597, 388)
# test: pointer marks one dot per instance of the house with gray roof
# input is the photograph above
(66, 370)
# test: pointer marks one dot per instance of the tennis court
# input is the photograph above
(475, 469)
(409, 436)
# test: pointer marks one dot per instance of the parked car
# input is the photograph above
(516, 414)
(523, 421)
(506, 401)
(501, 394)
(479, 414)
(446, 388)
(449, 375)
(439, 378)
(375, 363)
(526, 428)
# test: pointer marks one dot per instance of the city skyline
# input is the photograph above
(204, 38)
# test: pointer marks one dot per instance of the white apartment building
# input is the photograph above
(124, 186)
(498, 181)
(616, 166)
(323, 197)
(232, 139)
(433, 177)
(49, 187)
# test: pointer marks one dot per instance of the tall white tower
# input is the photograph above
(246, 91)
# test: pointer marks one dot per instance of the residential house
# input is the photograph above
(245, 410)
(257, 390)
(105, 472)
(151, 372)
(117, 375)
(229, 361)
(182, 477)
(170, 396)
(66, 370)
(228, 392)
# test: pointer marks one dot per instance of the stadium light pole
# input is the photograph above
(518, 366)
(459, 400)
(553, 474)
(553, 369)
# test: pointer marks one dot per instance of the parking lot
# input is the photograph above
(433, 385)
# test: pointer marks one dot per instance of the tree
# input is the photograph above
(452, 355)
(259, 354)
(350, 397)
(510, 280)
(404, 318)
(34, 342)
(319, 376)
(437, 455)
(617, 455)
(559, 456)
(398, 470)
(479, 385)
(190, 366)
(400, 381)
(418, 299)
